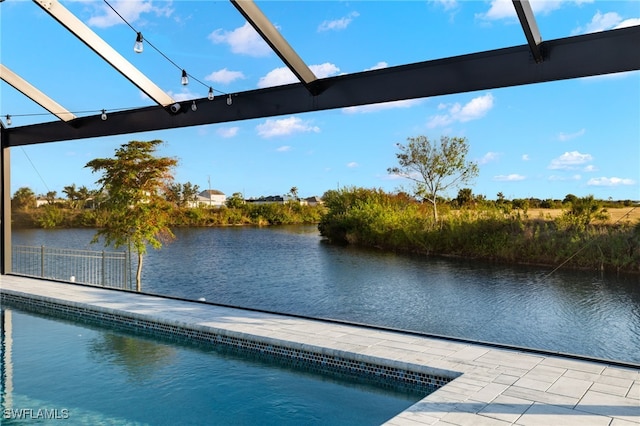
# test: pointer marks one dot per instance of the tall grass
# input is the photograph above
(370, 217)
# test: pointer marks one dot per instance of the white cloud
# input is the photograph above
(380, 65)
(612, 181)
(184, 95)
(363, 109)
(569, 160)
(353, 165)
(489, 157)
(562, 178)
(224, 76)
(447, 4)
(284, 148)
(605, 21)
(568, 136)
(503, 9)
(228, 132)
(525, 157)
(283, 75)
(590, 168)
(243, 40)
(514, 177)
(284, 127)
(338, 24)
(129, 10)
(473, 110)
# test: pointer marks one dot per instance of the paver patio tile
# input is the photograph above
(634, 391)
(570, 387)
(459, 418)
(533, 383)
(571, 364)
(610, 389)
(540, 396)
(546, 415)
(610, 405)
(489, 392)
(506, 379)
(506, 408)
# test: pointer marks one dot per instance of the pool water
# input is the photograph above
(56, 371)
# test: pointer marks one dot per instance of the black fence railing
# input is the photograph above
(103, 268)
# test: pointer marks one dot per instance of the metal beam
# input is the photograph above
(104, 50)
(5, 207)
(34, 94)
(572, 57)
(530, 27)
(277, 42)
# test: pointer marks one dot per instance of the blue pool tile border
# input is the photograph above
(385, 373)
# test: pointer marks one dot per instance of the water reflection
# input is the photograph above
(139, 358)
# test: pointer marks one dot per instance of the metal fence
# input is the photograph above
(108, 269)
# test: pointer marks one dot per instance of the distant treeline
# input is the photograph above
(582, 236)
(55, 216)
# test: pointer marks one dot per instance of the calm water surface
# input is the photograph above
(291, 270)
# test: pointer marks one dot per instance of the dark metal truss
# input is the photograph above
(566, 58)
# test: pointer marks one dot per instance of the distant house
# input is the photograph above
(285, 199)
(311, 201)
(209, 198)
(271, 199)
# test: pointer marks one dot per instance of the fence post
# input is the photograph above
(124, 272)
(42, 261)
(103, 268)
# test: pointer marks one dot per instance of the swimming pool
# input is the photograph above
(54, 370)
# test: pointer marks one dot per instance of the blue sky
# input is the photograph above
(547, 140)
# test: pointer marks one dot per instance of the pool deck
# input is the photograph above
(495, 386)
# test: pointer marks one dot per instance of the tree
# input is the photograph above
(135, 182)
(51, 197)
(465, 197)
(294, 192)
(182, 194)
(72, 195)
(236, 201)
(23, 199)
(434, 168)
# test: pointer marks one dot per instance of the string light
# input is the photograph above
(229, 100)
(185, 77)
(9, 120)
(194, 107)
(103, 116)
(138, 47)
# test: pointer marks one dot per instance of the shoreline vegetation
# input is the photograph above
(580, 234)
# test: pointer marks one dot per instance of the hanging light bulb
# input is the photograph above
(229, 100)
(9, 120)
(104, 115)
(194, 107)
(138, 47)
(185, 79)
(210, 95)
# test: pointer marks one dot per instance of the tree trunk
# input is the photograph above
(435, 210)
(139, 273)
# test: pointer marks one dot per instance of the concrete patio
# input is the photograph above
(492, 386)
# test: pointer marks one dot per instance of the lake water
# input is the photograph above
(291, 270)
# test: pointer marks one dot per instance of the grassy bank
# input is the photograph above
(53, 216)
(576, 239)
